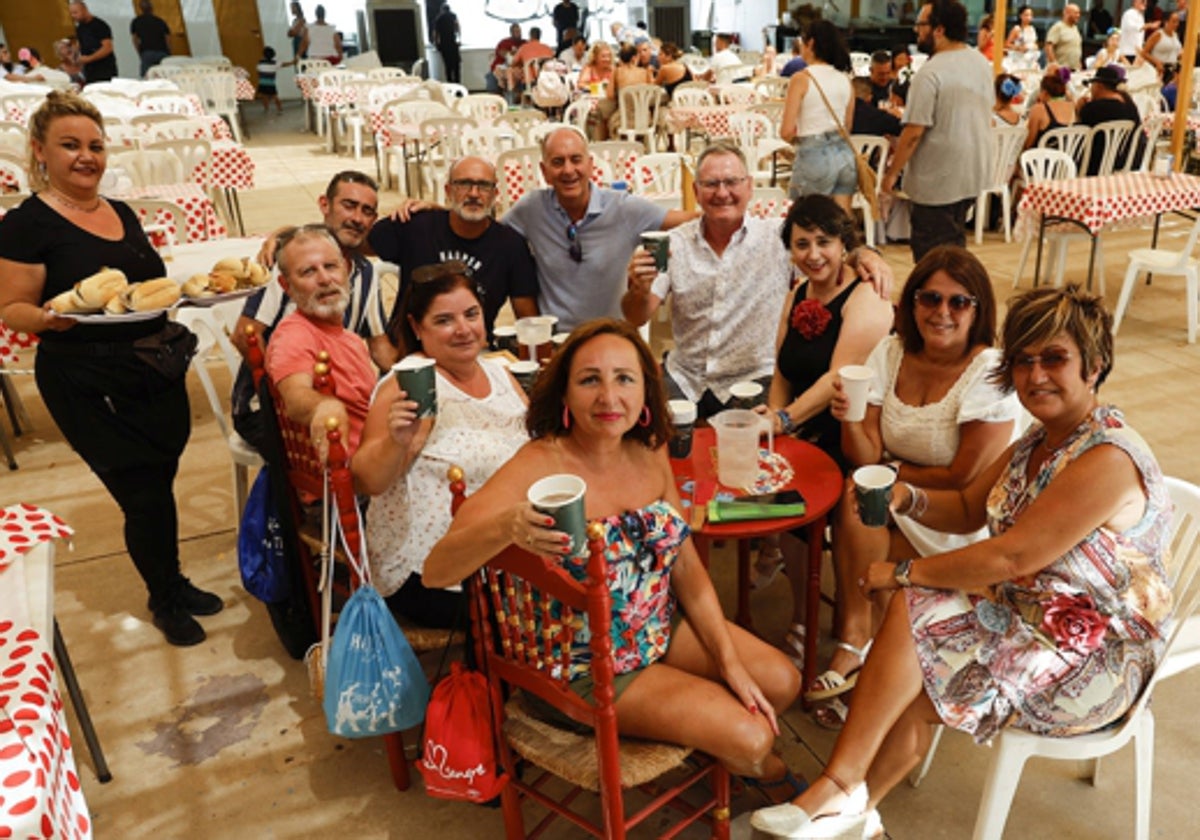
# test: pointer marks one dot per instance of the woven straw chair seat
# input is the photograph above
(572, 755)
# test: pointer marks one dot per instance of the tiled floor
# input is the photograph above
(225, 740)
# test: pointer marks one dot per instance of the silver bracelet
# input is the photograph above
(918, 502)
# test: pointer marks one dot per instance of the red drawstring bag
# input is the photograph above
(459, 758)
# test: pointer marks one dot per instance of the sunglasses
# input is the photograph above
(576, 250)
(933, 300)
(1050, 360)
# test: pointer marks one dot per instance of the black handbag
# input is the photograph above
(168, 351)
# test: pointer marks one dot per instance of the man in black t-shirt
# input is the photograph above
(150, 34)
(95, 44)
(566, 17)
(498, 256)
(445, 38)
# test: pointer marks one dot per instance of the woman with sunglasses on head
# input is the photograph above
(935, 418)
(1054, 624)
(402, 459)
(684, 674)
(831, 319)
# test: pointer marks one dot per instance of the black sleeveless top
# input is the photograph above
(802, 361)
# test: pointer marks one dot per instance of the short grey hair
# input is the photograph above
(721, 147)
(300, 234)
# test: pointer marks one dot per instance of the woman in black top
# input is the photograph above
(115, 390)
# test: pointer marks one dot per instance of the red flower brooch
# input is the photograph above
(1073, 622)
(810, 318)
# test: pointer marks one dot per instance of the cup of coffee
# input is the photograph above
(856, 382)
(657, 242)
(561, 496)
(505, 338)
(416, 377)
(873, 490)
(683, 421)
(747, 395)
(525, 373)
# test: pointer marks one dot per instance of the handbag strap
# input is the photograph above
(837, 120)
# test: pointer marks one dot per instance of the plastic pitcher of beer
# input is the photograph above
(738, 431)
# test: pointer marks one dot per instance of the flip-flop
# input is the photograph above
(831, 683)
(784, 789)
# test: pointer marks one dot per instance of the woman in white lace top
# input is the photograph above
(402, 461)
(933, 416)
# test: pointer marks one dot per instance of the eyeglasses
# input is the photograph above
(466, 185)
(576, 250)
(714, 184)
(1050, 360)
(933, 300)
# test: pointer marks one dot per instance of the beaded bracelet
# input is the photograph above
(786, 424)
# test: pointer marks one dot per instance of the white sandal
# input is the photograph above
(767, 567)
(831, 683)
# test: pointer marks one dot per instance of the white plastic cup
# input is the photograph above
(683, 420)
(747, 394)
(856, 382)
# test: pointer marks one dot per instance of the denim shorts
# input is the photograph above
(824, 165)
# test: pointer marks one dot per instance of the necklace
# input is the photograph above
(66, 202)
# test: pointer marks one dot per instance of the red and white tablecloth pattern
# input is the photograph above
(712, 119)
(769, 208)
(241, 80)
(307, 85)
(231, 166)
(214, 128)
(40, 792)
(202, 219)
(13, 342)
(1103, 200)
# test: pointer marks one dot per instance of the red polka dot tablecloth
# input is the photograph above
(40, 792)
(1104, 200)
(202, 219)
(12, 343)
(712, 119)
(231, 166)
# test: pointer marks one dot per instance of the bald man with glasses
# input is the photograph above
(497, 255)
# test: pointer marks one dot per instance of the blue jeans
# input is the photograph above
(824, 165)
(151, 58)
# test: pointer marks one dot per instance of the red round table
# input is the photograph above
(819, 481)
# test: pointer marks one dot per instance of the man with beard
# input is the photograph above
(314, 273)
(496, 254)
(348, 208)
(946, 141)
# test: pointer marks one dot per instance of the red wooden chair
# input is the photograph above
(524, 616)
(306, 481)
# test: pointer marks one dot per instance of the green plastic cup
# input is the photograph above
(657, 242)
(561, 496)
(417, 378)
(873, 489)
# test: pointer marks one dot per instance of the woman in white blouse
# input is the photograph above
(935, 416)
(402, 460)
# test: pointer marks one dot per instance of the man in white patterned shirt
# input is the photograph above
(728, 277)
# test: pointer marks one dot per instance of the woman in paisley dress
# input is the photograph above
(598, 411)
(402, 460)
(1055, 623)
(935, 418)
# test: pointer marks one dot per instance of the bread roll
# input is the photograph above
(154, 294)
(68, 302)
(99, 288)
(257, 273)
(196, 286)
(221, 282)
(231, 265)
(117, 304)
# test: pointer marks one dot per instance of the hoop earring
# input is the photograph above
(645, 417)
(566, 418)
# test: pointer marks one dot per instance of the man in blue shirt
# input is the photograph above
(582, 236)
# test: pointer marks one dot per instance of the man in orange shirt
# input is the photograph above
(531, 50)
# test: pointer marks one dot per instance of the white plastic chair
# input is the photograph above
(220, 98)
(203, 322)
(860, 63)
(384, 74)
(1007, 142)
(875, 149)
(756, 135)
(150, 168)
(14, 139)
(771, 87)
(692, 97)
(1160, 262)
(482, 107)
(735, 94)
(1072, 139)
(408, 112)
(1013, 747)
(442, 138)
(769, 203)
(696, 63)
(576, 114)
(454, 91)
(1050, 164)
(161, 217)
(1116, 135)
(518, 171)
(638, 110)
(167, 102)
(486, 141)
(618, 156)
(352, 114)
(195, 155)
(659, 178)
(520, 122)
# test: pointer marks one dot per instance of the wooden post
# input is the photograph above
(1183, 92)
(686, 186)
(999, 35)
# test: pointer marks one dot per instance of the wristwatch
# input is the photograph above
(903, 569)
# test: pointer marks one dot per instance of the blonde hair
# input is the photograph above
(58, 104)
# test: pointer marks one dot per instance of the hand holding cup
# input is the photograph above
(641, 271)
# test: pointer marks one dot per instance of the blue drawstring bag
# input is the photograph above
(373, 682)
(262, 559)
